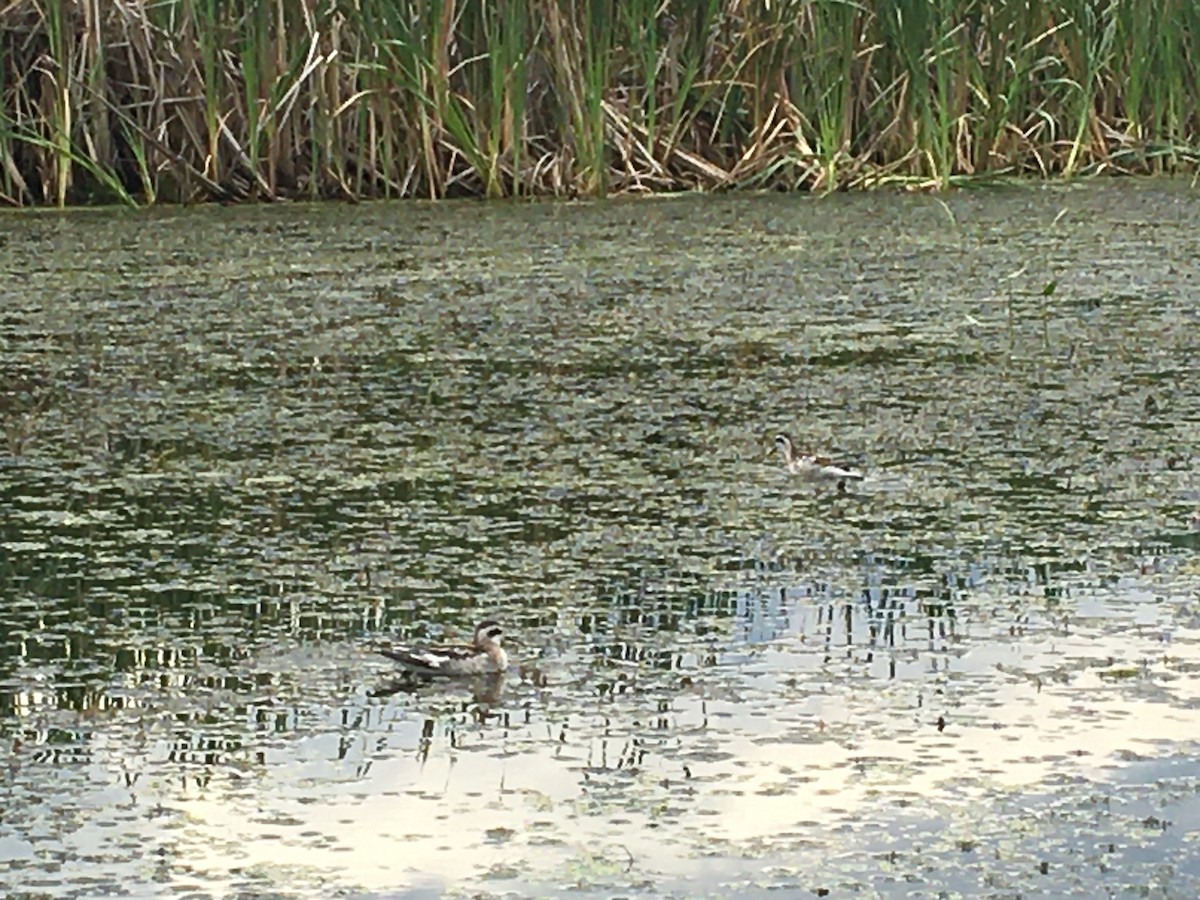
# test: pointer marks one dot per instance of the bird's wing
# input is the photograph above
(433, 659)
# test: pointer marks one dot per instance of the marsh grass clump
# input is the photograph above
(183, 100)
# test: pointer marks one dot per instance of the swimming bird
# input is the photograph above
(483, 656)
(814, 468)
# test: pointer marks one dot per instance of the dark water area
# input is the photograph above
(245, 447)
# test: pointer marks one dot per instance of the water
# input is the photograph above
(245, 446)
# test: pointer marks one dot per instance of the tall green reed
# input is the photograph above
(581, 35)
(185, 99)
(391, 66)
(206, 41)
(56, 98)
(923, 36)
(1087, 45)
(1151, 48)
(824, 82)
(483, 104)
(640, 26)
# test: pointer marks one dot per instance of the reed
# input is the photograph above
(182, 100)
(827, 78)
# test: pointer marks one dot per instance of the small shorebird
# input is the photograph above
(483, 656)
(814, 468)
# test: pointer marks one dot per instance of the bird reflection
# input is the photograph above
(485, 689)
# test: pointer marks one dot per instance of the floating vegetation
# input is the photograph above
(271, 451)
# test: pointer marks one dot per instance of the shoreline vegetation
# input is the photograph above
(179, 101)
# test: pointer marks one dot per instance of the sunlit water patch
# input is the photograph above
(233, 469)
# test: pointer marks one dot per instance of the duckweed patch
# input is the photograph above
(265, 452)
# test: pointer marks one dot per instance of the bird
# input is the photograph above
(811, 467)
(483, 656)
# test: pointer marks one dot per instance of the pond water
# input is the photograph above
(245, 447)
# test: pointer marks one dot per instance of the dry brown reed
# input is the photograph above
(144, 101)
